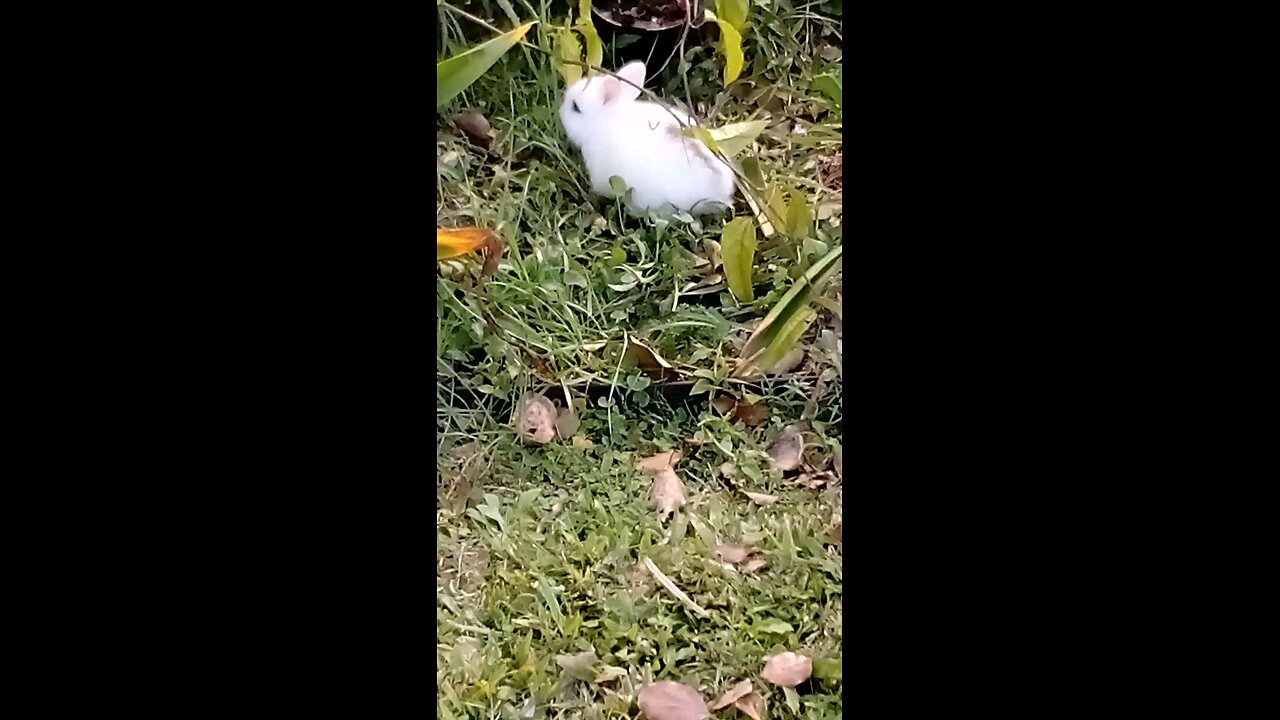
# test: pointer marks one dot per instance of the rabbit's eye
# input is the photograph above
(575, 107)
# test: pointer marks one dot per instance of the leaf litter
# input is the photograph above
(731, 695)
(787, 449)
(787, 669)
(668, 491)
(667, 700)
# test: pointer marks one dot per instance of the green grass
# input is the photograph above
(541, 548)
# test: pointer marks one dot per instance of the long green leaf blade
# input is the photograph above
(796, 298)
(457, 73)
(786, 338)
(738, 248)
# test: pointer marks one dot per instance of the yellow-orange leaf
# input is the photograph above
(452, 242)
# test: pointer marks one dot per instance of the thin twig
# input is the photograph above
(675, 591)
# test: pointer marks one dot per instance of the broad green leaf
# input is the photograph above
(733, 12)
(457, 73)
(774, 626)
(787, 337)
(568, 48)
(776, 201)
(750, 167)
(828, 669)
(828, 84)
(618, 185)
(738, 248)
(799, 221)
(792, 302)
(736, 137)
(703, 136)
(731, 46)
(595, 47)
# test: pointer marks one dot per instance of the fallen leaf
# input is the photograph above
(755, 564)
(536, 419)
(661, 461)
(668, 492)
(526, 710)
(580, 666)
(761, 498)
(732, 694)
(475, 125)
(648, 360)
(787, 669)
(609, 674)
(751, 704)
(567, 423)
(838, 462)
(752, 414)
(666, 700)
(787, 450)
(733, 553)
(725, 404)
(714, 253)
(726, 469)
(452, 242)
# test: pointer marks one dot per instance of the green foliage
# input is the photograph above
(738, 243)
(457, 73)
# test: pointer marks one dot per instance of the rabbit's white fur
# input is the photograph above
(640, 142)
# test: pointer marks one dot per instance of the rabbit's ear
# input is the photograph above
(618, 91)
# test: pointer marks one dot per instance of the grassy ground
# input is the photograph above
(546, 607)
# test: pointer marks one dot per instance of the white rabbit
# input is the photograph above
(642, 143)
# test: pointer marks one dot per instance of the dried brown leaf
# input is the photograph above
(536, 419)
(787, 669)
(734, 553)
(755, 564)
(725, 404)
(731, 695)
(752, 704)
(761, 498)
(666, 700)
(567, 423)
(475, 125)
(752, 414)
(787, 450)
(668, 492)
(714, 254)
(649, 361)
(661, 461)
(726, 469)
